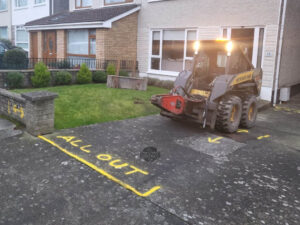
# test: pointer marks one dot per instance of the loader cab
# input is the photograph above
(218, 57)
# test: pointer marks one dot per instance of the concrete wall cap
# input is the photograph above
(39, 96)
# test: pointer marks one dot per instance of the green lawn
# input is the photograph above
(79, 105)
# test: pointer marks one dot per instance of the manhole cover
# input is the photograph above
(150, 154)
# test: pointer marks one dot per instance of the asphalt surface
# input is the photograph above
(97, 175)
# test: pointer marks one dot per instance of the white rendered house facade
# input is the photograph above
(167, 29)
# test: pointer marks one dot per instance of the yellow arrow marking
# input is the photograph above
(242, 131)
(215, 141)
(262, 137)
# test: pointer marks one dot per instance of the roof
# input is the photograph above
(84, 16)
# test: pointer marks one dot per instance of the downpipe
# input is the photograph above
(281, 27)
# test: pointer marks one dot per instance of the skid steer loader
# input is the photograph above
(220, 90)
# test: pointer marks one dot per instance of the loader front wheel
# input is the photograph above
(229, 114)
(249, 112)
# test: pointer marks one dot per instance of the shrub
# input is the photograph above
(15, 80)
(111, 69)
(41, 76)
(99, 77)
(84, 76)
(7, 42)
(15, 58)
(123, 73)
(62, 78)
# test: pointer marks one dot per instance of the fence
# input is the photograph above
(71, 63)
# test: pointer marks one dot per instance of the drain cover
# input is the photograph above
(150, 154)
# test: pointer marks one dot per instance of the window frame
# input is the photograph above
(40, 3)
(151, 56)
(118, 3)
(82, 7)
(90, 36)
(18, 42)
(6, 8)
(20, 7)
(6, 28)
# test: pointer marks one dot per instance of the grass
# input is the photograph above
(80, 105)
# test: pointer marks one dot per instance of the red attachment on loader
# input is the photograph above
(173, 103)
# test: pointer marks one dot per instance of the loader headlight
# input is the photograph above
(229, 47)
(196, 47)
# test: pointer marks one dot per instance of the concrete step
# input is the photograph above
(7, 129)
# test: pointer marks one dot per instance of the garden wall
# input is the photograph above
(35, 110)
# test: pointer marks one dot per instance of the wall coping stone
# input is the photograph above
(39, 96)
(12, 95)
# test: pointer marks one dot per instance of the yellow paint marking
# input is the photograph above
(74, 143)
(262, 137)
(18, 110)
(66, 138)
(101, 171)
(83, 148)
(119, 166)
(8, 107)
(104, 157)
(215, 141)
(135, 170)
(242, 131)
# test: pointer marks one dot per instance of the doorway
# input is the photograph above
(49, 44)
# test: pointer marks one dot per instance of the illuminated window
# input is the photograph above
(21, 3)
(111, 2)
(3, 5)
(83, 3)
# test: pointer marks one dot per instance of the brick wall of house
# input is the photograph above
(120, 42)
(40, 44)
(100, 46)
(61, 44)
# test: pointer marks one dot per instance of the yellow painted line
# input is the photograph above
(215, 141)
(262, 137)
(101, 171)
(242, 131)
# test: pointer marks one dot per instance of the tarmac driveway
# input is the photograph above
(97, 174)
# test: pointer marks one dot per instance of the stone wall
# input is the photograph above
(35, 110)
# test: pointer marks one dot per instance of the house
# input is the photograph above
(24, 11)
(92, 31)
(160, 34)
(5, 19)
(167, 29)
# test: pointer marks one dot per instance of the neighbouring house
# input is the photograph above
(87, 33)
(5, 19)
(167, 29)
(24, 11)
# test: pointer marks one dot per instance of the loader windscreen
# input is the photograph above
(212, 60)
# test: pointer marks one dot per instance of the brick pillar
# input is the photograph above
(100, 44)
(39, 113)
(40, 44)
(61, 44)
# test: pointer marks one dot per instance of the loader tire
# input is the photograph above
(249, 112)
(229, 114)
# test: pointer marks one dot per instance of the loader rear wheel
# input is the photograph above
(249, 112)
(229, 114)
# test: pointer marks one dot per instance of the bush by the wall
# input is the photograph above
(160, 83)
(111, 69)
(15, 80)
(41, 76)
(99, 77)
(84, 76)
(15, 58)
(62, 78)
(123, 73)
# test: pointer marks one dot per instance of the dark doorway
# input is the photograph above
(49, 44)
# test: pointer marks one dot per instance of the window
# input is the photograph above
(20, 3)
(172, 50)
(3, 33)
(22, 37)
(39, 2)
(83, 3)
(3, 5)
(82, 42)
(111, 2)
